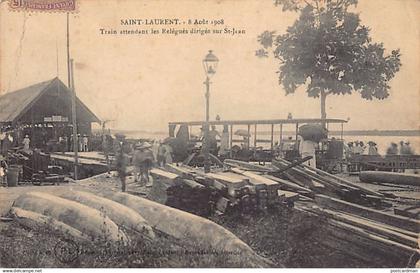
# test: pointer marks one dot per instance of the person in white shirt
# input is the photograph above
(26, 141)
(308, 148)
(85, 142)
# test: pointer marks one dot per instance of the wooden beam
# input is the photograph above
(339, 179)
(231, 140)
(288, 184)
(369, 226)
(255, 136)
(376, 215)
(272, 137)
(249, 133)
(281, 135)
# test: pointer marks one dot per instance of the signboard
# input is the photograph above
(56, 119)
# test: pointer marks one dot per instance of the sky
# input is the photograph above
(143, 82)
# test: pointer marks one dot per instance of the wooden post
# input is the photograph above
(272, 136)
(342, 131)
(74, 120)
(249, 134)
(281, 134)
(231, 139)
(297, 130)
(255, 136)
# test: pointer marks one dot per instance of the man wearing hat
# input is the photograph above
(26, 141)
(373, 150)
(3, 170)
(143, 161)
(121, 153)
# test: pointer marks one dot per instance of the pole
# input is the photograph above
(206, 128)
(74, 120)
(272, 137)
(68, 52)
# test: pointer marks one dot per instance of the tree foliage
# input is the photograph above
(330, 51)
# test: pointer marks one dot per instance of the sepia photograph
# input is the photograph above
(209, 134)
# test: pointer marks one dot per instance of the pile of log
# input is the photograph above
(367, 233)
(185, 194)
(221, 192)
(358, 219)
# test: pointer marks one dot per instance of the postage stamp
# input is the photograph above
(43, 5)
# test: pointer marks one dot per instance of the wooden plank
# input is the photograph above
(344, 181)
(288, 184)
(180, 170)
(246, 165)
(376, 215)
(229, 179)
(363, 246)
(288, 195)
(161, 173)
(192, 184)
(370, 226)
(407, 212)
(385, 242)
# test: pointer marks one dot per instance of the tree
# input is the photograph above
(329, 51)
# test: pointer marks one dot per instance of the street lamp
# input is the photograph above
(210, 64)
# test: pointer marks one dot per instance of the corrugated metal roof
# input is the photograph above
(13, 103)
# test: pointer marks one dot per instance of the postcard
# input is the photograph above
(209, 134)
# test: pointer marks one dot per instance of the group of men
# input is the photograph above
(67, 143)
(143, 158)
(404, 149)
(358, 148)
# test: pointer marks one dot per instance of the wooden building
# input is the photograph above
(43, 112)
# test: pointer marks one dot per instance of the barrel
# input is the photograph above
(12, 176)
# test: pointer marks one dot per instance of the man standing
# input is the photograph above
(308, 148)
(143, 162)
(85, 143)
(121, 157)
(26, 141)
(3, 170)
(393, 149)
(161, 155)
(212, 142)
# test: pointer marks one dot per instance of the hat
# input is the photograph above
(119, 135)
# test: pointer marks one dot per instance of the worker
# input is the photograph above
(121, 153)
(85, 142)
(224, 141)
(308, 148)
(392, 150)
(143, 162)
(80, 142)
(168, 153)
(161, 155)
(212, 142)
(6, 144)
(26, 141)
(3, 170)
(410, 150)
(405, 148)
(372, 150)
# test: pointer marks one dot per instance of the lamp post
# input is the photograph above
(210, 64)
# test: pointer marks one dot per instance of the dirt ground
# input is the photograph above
(285, 236)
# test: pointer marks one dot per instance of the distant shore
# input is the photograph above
(333, 132)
